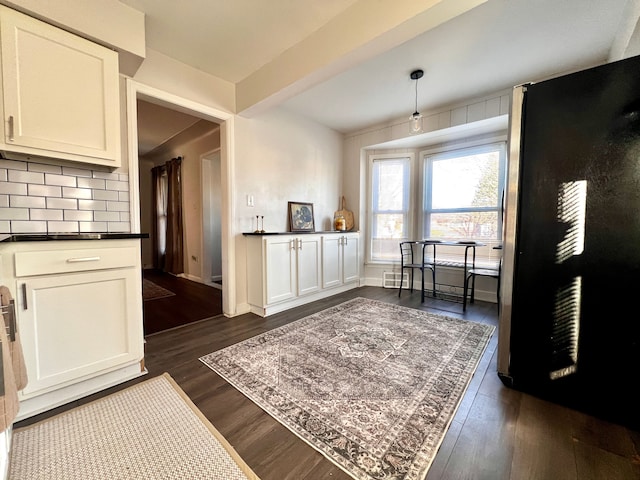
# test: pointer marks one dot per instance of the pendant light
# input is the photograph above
(415, 125)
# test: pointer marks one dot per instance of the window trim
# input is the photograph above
(451, 149)
(372, 158)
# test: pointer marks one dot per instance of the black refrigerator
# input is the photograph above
(569, 326)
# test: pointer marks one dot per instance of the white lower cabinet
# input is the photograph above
(284, 271)
(79, 316)
(339, 259)
(292, 267)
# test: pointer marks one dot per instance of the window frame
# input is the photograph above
(408, 195)
(428, 157)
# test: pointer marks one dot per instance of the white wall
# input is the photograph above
(282, 157)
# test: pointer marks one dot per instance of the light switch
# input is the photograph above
(249, 200)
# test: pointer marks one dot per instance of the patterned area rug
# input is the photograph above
(151, 291)
(372, 386)
(148, 431)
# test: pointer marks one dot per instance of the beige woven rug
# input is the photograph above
(148, 431)
(370, 385)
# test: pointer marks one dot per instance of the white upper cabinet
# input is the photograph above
(60, 93)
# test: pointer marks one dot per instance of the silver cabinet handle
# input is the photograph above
(299, 244)
(24, 296)
(83, 259)
(11, 135)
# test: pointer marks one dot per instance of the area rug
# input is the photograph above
(371, 385)
(148, 431)
(151, 291)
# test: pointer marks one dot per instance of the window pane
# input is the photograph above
(390, 192)
(388, 225)
(467, 181)
(385, 249)
(465, 225)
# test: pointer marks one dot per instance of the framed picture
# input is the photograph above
(301, 217)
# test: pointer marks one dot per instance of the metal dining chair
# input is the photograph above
(409, 253)
(474, 272)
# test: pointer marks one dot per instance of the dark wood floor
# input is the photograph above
(498, 433)
(192, 301)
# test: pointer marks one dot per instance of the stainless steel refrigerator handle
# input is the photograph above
(510, 229)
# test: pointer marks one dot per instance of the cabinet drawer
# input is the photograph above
(77, 260)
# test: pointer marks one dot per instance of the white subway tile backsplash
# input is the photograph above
(106, 175)
(19, 176)
(92, 183)
(93, 227)
(117, 185)
(37, 197)
(42, 214)
(28, 227)
(13, 164)
(76, 172)
(79, 215)
(63, 227)
(14, 213)
(27, 202)
(105, 195)
(71, 192)
(118, 206)
(62, 203)
(45, 191)
(41, 167)
(107, 216)
(92, 205)
(118, 227)
(61, 180)
(13, 188)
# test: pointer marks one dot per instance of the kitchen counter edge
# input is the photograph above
(35, 237)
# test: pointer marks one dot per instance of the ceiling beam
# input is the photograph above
(362, 31)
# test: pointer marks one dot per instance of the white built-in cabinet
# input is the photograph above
(60, 93)
(79, 313)
(339, 260)
(292, 267)
(287, 270)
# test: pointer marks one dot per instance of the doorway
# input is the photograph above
(224, 120)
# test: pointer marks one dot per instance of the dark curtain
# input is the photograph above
(174, 257)
(159, 186)
(168, 251)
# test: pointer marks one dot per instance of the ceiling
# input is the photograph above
(490, 48)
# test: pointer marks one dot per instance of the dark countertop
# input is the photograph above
(257, 234)
(39, 237)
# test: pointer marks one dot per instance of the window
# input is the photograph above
(389, 205)
(463, 198)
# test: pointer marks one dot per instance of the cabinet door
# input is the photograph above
(331, 261)
(350, 259)
(76, 326)
(280, 269)
(308, 267)
(60, 92)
